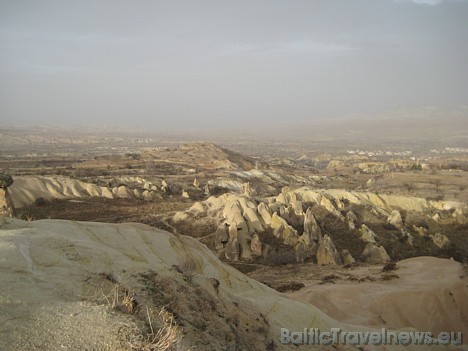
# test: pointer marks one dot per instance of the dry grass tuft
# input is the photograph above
(163, 334)
(121, 299)
(187, 268)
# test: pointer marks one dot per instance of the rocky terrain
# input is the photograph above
(66, 279)
(322, 246)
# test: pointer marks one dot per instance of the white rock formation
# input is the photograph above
(375, 254)
(311, 227)
(395, 220)
(281, 229)
(264, 212)
(347, 257)
(327, 254)
(367, 235)
(43, 286)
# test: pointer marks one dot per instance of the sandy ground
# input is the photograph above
(429, 294)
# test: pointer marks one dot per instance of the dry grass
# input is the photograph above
(121, 299)
(163, 333)
(187, 267)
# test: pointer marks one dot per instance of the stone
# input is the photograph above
(5, 180)
(395, 220)
(347, 257)
(221, 236)
(253, 222)
(420, 230)
(196, 183)
(311, 226)
(232, 250)
(246, 190)
(256, 246)
(6, 204)
(281, 229)
(351, 220)
(264, 212)
(297, 207)
(327, 254)
(440, 240)
(375, 254)
(367, 235)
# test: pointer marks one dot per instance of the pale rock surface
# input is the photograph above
(6, 205)
(395, 220)
(221, 236)
(253, 222)
(256, 246)
(351, 220)
(264, 212)
(45, 270)
(383, 203)
(420, 230)
(297, 207)
(402, 302)
(327, 254)
(123, 192)
(375, 254)
(367, 235)
(26, 190)
(246, 189)
(283, 230)
(440, 240)
(311, 227)
(347, 257)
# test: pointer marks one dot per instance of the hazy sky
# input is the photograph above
(186, 64)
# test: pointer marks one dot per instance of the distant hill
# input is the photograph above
(203, 154)
(440, 127)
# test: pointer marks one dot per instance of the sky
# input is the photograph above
(217, 64)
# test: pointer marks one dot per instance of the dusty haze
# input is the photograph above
(208, 64)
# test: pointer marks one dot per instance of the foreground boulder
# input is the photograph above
(55, 275)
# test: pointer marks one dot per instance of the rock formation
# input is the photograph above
(351, 220)
(347, 257)
(264, 212)
(327, 254)
(395, 220)
(440, 240)
(375, 254)
(367, 234)
(246, 189)
(6, 204)
(311, 226)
